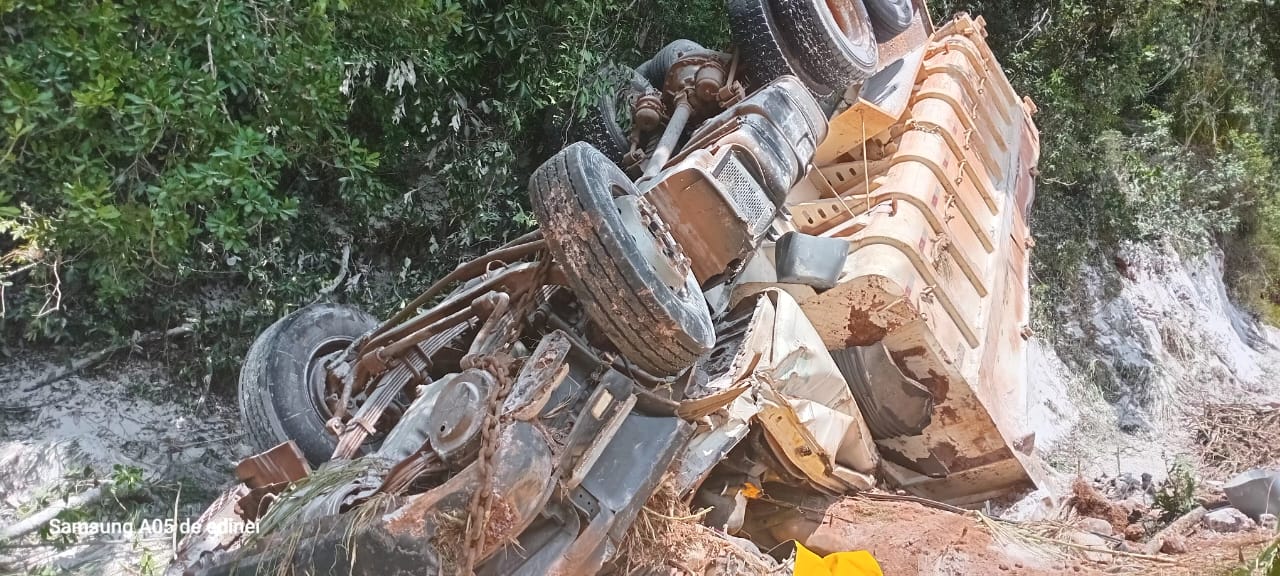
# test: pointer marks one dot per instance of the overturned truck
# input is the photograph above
(799, 267)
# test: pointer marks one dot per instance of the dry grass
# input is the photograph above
(451, 531)
(1234, 438)
(668, 535)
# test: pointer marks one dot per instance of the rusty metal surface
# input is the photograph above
(937, 271)
(283, 463)
(719, 195)
(405, 535)
(881, 101)
(691, 200)
(541, 374)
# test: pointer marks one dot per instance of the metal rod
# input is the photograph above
(397, 326)
(465, 271)
(670, 136)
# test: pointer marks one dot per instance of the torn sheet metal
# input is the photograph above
(811, 419)
(283, 463)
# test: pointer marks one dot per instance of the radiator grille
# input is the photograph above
(747, 195)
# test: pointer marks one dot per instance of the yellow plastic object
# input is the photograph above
(859, 563)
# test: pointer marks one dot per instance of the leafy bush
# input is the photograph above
(166, 147)
(1176, 495)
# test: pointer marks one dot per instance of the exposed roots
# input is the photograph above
(1088, 501)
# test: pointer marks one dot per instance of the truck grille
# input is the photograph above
(747, 195)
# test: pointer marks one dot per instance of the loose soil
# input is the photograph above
(910, 539)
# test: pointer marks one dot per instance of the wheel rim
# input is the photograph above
(657, 247)
(318, 377)
(847, 19)
(322, 389)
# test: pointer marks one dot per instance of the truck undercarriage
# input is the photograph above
(754, 283)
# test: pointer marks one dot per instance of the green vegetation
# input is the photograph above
(1158, 122)
(1177, 495)
(223, 154)
(1267, 563)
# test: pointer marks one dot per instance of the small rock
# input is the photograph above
(1267, 522)
(1004, 566)
(1091, 541)
(1174, 544)
(1135, 532)
(1227, 520)
(1096, 525)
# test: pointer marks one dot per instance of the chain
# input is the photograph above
(479, 506)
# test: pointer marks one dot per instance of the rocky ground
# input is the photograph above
(911, 539)
(1149, 343)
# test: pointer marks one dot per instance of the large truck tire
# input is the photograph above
(762, 50)
(282, 381)
(655, 69)
(607, 123)
(628, 279)
(889, 17)
(834, 41)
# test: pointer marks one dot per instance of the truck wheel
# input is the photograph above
(282, 382)
(762, 50)
(889, 17)
(607, 124)
(655, 69)
(631, 277)
(834, 39)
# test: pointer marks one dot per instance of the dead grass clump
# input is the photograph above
(1235, 438)
(451, 531)
(667, 534)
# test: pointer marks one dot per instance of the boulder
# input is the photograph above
(1255, 492)
(1227, 520)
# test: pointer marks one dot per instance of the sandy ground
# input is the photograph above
(124, 412)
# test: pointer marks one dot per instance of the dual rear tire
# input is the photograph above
(828, 44)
